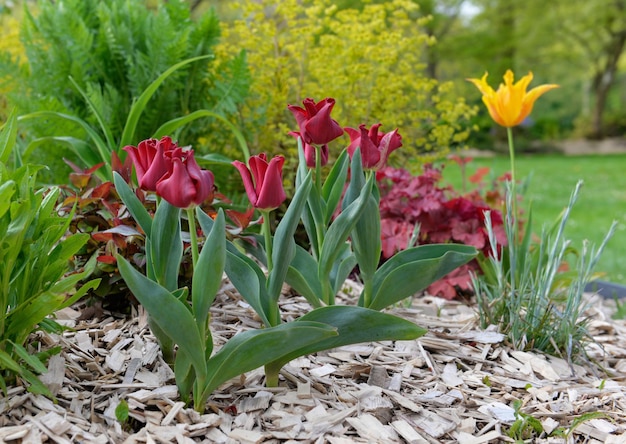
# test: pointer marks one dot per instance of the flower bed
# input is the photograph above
(455, 384)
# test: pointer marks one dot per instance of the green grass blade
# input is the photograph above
(142, 101)
(168, 128)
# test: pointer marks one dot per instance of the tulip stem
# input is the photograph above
(191, 220)
(318, 168)
(267, 235)
(509, 132)
(513, 211)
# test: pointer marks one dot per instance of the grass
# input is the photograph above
(552, 179)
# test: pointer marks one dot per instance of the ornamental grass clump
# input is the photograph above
(523, 289)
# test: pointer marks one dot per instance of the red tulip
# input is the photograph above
(184, 184)
(310, 152)
(149, 160)
(375, 146)
(316, 125)
(263, 181)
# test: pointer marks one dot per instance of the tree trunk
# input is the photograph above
(604, 78)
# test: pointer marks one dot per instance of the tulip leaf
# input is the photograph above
(284, 248)
(354, 325)
(302, 276)
(167, 312)
(414, 269)
(342, 267)
(166, 246)
(207, 276)
(134, 205)
(340, 229)
(334, 185)
(254, 348)
(140, 104)
(184, 375)
(244, 274)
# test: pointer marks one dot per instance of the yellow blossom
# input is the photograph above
(511, 103)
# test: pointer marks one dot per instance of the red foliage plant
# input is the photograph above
(409, 203)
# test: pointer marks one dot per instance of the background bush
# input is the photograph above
(113, 50)
(369, 59)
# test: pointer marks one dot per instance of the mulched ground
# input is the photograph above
(456, 384)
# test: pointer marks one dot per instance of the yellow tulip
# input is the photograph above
(511, 103)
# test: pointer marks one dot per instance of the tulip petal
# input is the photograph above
(272, 194)
(248, 184)
(177, 187)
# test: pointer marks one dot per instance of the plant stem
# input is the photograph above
(267, 235)
(191, 220)
(509, 132)
(512, 214)
(271, 374)
(318, 168)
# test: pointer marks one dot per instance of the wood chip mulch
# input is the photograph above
(458, 383)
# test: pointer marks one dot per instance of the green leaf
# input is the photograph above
(207, 276)
(284, 248)
(21, 320)
(184, 374)
(253, 348)
(94, 110)
(414, 269)
(302, 276)
(81, 148)
(8, 136)
(354, 325)
(8, 363)
(7, 190)
(334, 185)
(340, 229)
(140, 104)
(134, 205)
(342, 267)
(32, 361)
(121, 411)
(104, 151)
(169, 313)
(244, 273)
(166, 245)
(172, 125)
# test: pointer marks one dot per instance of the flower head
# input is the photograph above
(310, 152)
(263, 181)
(184, 184)
(511, 103)
(375, 146)
(149, 160)
(316, 125)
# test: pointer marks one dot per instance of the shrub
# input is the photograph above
(369, 60)
(416, 210)
(112, 51)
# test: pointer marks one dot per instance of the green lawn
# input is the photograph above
(552, 179)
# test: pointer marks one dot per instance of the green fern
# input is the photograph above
(113, 51)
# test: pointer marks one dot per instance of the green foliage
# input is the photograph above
(525, 426)
(91, 60)
(525, 293)
(369, 59)
(35, 258)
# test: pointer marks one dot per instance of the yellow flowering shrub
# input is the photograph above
(369, 60)
(11, 46)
